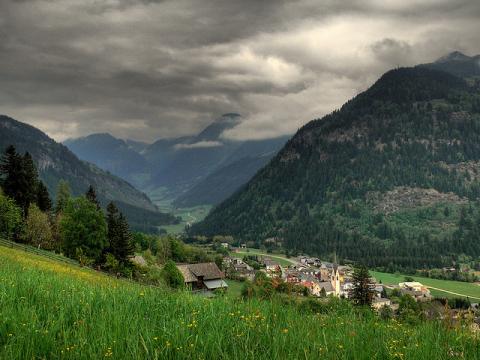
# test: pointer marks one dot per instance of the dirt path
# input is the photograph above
(453, 293)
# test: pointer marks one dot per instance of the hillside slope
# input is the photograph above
(415, 131)
(108, 153)
(53, 310)
(55, 162)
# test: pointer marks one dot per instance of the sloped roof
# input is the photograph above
(191, 272)
(327, 285)
(215, 284)
(209, 270)
(188, 276)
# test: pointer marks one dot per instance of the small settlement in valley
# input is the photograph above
(320, 278)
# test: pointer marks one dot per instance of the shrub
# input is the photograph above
(172, 276)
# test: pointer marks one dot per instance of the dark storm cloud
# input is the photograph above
(148, 69)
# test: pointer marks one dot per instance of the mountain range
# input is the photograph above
(55, 162)
(393, 177)
(202, 169)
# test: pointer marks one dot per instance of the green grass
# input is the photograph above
(466, 289)
(234, 288)
(281, 259)
(188, 216)
(51, 310)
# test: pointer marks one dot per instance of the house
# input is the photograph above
(203, 276)
(225, 245)
(327, 285)
(416, 290)
(313, 287)
(378, 303)
(270, 265)
(324, 273)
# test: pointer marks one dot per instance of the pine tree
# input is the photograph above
(20, 178)
(91, 196)
(10, 168)
(362, 291)
(28, 182)
(43, 198)
(112, 226)
(125, 246)
(119, 236)
(63, 196)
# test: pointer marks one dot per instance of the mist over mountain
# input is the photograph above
(194, 170)
(374, 180)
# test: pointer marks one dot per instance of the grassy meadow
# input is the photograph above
(466, 289)
(280, 259)
(50, 310)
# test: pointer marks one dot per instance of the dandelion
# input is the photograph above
(285, 330)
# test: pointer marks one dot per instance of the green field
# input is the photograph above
(281, 259)
(188, 215)
(52, 310)
(234, 288)
(463, 288)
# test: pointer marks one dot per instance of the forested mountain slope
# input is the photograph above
(55, 162)
(392, 178)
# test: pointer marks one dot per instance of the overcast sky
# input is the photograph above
(145, 69)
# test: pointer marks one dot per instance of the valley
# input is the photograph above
(182, 173)
(239, 180)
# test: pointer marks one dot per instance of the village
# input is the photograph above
(311, 275)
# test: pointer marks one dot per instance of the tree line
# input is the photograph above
(74, 226)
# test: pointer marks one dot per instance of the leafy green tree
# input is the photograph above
(63, 196)
(43, 198)
(83, 227)
(10, 217)
(172, 276)
(362, 291)
(38, 231)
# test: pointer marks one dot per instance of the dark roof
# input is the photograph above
(207, 270)
(327, 285)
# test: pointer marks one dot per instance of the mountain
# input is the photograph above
(192, 159)
(391, 179)
(55, 162)
(201, 169)
(238, 168)
(458, 64)
(109, 153)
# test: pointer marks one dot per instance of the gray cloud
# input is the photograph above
(151, 69)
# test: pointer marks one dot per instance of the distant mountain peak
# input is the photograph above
(453, 56)
(231, 115)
